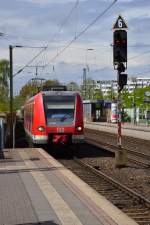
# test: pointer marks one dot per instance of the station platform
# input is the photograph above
(36, 189)
(131, 130)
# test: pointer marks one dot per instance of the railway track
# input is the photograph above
(133, 204)
(127, 142)
(133, 155)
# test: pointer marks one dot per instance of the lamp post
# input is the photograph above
(134, 105)
(11, 92)
(85, 69)
(88, 49)
(11, 121)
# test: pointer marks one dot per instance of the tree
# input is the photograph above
(73, 86)
(51, 83)
(87, 89)
(4, 84)
(18, 102)
(30, 89)
(110, 95)
(136, 98)
(98, 95)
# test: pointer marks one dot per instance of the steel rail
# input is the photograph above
(113, 148)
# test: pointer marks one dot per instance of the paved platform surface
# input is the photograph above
(142, 132)
(36, 189)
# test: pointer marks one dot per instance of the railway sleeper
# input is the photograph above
(119, 198)
(125, 203)
(139, 215)
(143, 222)
(137, 210)
(107, 188)
(116, 194)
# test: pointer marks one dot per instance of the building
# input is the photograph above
(111, 85)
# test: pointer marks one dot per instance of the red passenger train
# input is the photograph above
(54, 117)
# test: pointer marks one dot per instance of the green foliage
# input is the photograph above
(28, 90)
(87, 89)
(4, 72)
(110, 95)
(18, 102)
(50, 83)
(4, 83)
(73, 86)
(137, 97)
(31, 89)
(98, 95)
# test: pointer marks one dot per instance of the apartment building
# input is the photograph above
(111, 85)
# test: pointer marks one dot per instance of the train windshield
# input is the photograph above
(59, 110)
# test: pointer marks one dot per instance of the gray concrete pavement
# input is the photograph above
(142, 132)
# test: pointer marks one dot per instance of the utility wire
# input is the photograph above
(82, 32)
(143, 73)
(136, 56)
(19, 71)
(37, 55)
(65, 20)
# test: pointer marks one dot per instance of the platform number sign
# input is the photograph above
(120, 23)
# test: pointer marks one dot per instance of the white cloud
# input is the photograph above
(43, 2)
(17, 22)
(34, 24)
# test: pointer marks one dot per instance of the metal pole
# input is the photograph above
(11, 94)
(14, 127)
(84, 81)
(93, 90)
(1, 134)
(36, 73)
(120, 154)
(119, 117)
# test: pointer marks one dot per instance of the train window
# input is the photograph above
(60, 106)
(59, 110)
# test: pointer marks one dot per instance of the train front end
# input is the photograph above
(64, 117)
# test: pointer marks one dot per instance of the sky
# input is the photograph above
(54, 30)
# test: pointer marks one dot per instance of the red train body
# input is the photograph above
(54, 117)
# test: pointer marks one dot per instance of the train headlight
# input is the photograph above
(41, 128)
(79, 128)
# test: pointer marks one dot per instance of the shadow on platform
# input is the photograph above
(2, 155)
(40, 223)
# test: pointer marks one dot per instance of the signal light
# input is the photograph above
(120, 46)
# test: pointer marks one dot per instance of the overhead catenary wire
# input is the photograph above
(72, 41)
(65, 20)
(82, 32)
(141, 73)
(44, 48)
(138, 55)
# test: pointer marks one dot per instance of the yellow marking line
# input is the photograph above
(62, 210)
